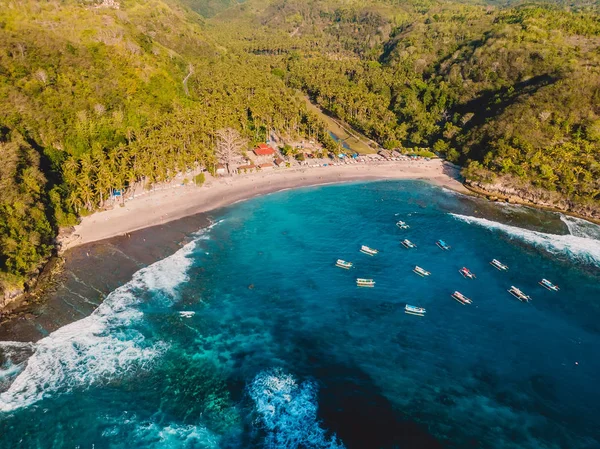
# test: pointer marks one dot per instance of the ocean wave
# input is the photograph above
(101, 347)
(581, 228)
(13, 357)
(287, 412)
(586, 250)
(151, 435)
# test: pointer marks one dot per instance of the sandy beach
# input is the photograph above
(176, 201)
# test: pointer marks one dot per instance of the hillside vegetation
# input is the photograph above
(94, 99)
(98, 96)
(512, 91)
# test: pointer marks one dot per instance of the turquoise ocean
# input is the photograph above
(278, 348)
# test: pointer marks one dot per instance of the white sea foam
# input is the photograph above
(127, 431)
(581, 228)
(288, 412)
(13, 357)
(102, 346)
(173, 436)
(583, 249)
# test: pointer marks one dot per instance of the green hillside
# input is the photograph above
(511, 91)
(97, 96)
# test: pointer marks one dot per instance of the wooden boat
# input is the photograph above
(519, 294)
(365, 282)
(466, 273)
(421, 272)
(408, 244)
(461, 298)
(499, 265)
(413, 310)
(442, 245)
(343, 264)
(402, 225)
(549, 285)
(368, 251)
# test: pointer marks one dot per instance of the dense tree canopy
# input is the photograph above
(95, 98)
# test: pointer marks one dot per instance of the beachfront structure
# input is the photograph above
(221, 170)
(264, 150)
(246, 168)
(266, 166)
(279, 162)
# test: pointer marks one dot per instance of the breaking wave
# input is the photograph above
(287, 412)
(583, 249)
(581, 228)
(13, 358)
(101, 347)
(127, 432)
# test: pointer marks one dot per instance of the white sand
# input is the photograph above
(171, 203)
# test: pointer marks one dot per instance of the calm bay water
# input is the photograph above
(284, 351)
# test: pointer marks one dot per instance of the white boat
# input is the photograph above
(413, 310)
(185, 314)
(365, 282)
(402, 225)
(519, 294)
(549, 285)
(408, 244)
(461, 298)
(499, 265)
(443, 245)
(466, 273)
(421, 272)
(368, 251)
(343, 264)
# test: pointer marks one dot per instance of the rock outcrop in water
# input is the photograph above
(512, 190)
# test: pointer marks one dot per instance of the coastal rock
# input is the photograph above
(9, 296)
(516, 191)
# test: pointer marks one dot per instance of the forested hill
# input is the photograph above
(97, 95)
(513, 91)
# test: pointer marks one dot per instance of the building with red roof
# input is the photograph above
(264, 150)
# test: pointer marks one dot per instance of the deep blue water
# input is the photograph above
(284, 351)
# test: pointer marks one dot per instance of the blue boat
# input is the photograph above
(442, 245)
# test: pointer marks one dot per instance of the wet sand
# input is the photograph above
(108, 247)
(163, 206)
(92, 271)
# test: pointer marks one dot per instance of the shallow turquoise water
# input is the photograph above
(284, 351)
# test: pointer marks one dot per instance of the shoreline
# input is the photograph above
(171, 203)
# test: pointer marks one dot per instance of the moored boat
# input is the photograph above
(466, 273)
(499, 265)
(421, 272)
(519, 294)
(408, 244)
(461, 298)
(343, 264)
(443, 245)
(368, 251)
(549, 285)
(360, 282)
(402, 225)
(413, 310)
(185, 314)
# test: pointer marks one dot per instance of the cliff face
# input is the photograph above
(8, 296)
(515, 191)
